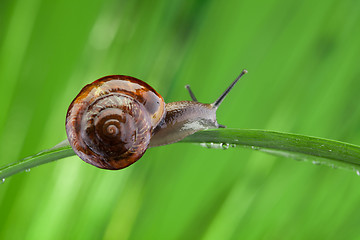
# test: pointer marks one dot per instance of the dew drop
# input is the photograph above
(217, 146)
(212, 145)
(27, 170)
(233, 145)
(358, 172)
(207, 145)
(224, 146)
(2, 180)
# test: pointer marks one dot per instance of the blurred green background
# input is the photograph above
(304, 77)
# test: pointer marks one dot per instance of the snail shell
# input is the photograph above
(110, 122)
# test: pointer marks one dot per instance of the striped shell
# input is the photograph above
(110, 122)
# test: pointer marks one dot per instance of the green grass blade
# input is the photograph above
(320, 151)
(61, 150)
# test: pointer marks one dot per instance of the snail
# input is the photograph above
(112, 121)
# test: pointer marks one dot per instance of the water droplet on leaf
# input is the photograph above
(224, 146)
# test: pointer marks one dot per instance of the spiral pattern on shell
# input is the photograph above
(110, 122)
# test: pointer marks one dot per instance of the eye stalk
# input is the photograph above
(191, 93)
(217, 103)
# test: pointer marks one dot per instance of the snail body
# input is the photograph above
(112, 121)
(183, 118)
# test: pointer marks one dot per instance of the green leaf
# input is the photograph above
(60, 151)
(305, 148)
(317, 150)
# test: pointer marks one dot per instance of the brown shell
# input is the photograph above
(110, 122)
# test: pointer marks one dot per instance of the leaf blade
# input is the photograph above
(323, 151)
(340, 152)
(60, 151)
